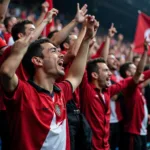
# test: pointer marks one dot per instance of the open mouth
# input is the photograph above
(60, 63)
(108, 79)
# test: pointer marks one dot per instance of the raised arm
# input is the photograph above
(3, 9)
(111, 32)
(141, 65)
(71, 54)
(52, 13)
(77, 68)
(8, 78)
(45, 6)
(60, 36)
(130, 55)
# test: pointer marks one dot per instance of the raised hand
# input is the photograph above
(81, 13)
(50, 15)
(92, 25)
(146, 45)
(45, 7)
(112, 31)
(23, 43)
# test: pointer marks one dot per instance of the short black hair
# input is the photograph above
(19, 28)
(35, 49)
(50, 35)
(92, 66)
(135, 57)
(6, 21)
(124, 68)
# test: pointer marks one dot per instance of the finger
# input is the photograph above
(112, 25)
(84, 7)
(78, 7)
(84, 12)
(54, 9)
(27, 38)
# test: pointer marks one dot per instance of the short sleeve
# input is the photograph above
(67, 89)
(16, 95)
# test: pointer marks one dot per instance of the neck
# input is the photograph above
(9, 29)
(44, 81)
(113, 72)
(97, 86)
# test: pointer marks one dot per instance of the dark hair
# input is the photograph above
(67, 40)
(124, 68)
(92, 66)
(35, 49)
(50, 35)
(19, 28)
(135, 57)
(147, 67)
(6, 21)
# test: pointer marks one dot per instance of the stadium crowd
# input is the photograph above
(71, 88)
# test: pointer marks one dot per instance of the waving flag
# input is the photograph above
(48, 27)
(142, 32)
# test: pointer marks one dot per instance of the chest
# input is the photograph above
(43, 107)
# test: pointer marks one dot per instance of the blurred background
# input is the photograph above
(123, 13)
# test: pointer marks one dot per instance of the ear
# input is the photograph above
(66, 45)
(128, 74)
(37, 61)
(94, 75)
(20, 35)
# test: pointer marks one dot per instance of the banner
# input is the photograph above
(48, 27)
(142, 32)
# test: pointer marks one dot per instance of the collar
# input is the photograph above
(56, 89)
(96, 89)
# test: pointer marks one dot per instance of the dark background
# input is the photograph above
(123, 13)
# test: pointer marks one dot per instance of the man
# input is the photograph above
(20, 30)
(37, 108)
(135, 109)
(9, 22)
(116, 116)
(96, 94)
(24, 28)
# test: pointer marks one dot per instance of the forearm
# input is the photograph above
(60, 36)
(78, 42)
(105, 50)
(75, 48)
(10, 65)
(3, 9)
(39, 30)
(130, 56)
(77, 68)
(40, 19)
(140, 67)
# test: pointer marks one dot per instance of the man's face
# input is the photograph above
(29, 28)
(12, 22)
(132, 70)
(2, 27)
(104, 75)
(112, 62)
(52, 60)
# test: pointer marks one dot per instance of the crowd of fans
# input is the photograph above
(72, 89)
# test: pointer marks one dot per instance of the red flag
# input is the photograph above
(48, 27)
(142, 32)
